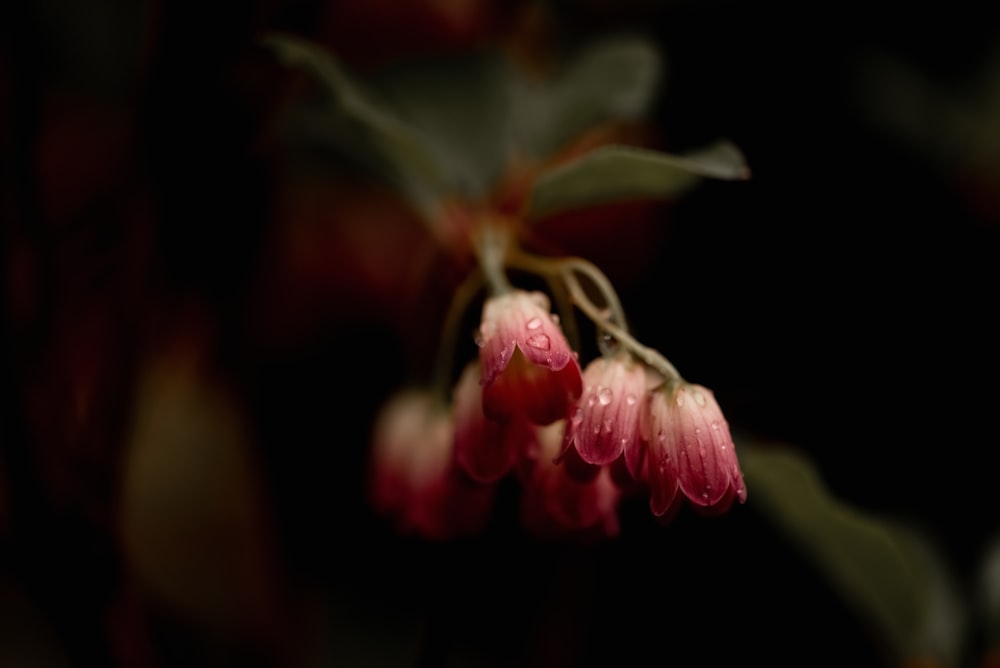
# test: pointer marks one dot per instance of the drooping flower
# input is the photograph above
(528, 367)
(485, 449)
(605, 422)
(690, 449)
(557, 504)
(413, 478)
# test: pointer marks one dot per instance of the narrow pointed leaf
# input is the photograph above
(871, 561)
(624, 173)
(613, 79)
(461, 105)
(360, 127)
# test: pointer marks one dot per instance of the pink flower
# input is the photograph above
(527, 365)
(606, 420)
(484, 448)
(413, 478)
(690, 449)
(556, 504)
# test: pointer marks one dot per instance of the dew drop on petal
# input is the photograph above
(555, 318)
(597, 429)
(630, 399)
(479, 338)
(540, 341)
(577, 417)
(607, 425)
(604, 396)
(534, 323)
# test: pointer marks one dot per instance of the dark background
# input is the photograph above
(842, 300)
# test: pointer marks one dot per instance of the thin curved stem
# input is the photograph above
(603, 285)
(491, 243)
(648, 355)
(460, 301)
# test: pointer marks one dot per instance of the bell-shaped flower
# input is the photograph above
(413, 478)
(528, 367)
(484, 448)
(605, 423)
(557, 504)
(690, 449)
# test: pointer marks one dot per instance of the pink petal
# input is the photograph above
(485, 449)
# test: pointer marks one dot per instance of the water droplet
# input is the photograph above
(540, 341)
(607, 425)
(630, 399)
(577, 417)
(479, 339)
(661, 437)
(555, 318)
(534, 323)
(604, 395)
(591, 401)
(597, 429)
(540, 300)
(715, 425)
(699, 398)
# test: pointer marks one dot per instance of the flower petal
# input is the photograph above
(485, 449)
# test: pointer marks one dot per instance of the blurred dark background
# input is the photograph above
(842, 300)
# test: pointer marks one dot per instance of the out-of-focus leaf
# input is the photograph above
(448, 126)
(622, 173)
(355, 124)
(615, 78)
(876, 564)
(988, 588)
(461, 105)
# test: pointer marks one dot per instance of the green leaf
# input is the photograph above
(353, 122)
(461, 106)
(879, 566)
(623, 173)
(615, 78)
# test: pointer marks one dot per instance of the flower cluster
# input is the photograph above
(576, 438)
(485, 151)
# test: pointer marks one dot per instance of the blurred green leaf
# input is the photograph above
(354, 123)
(889, 576)
(448, 126)
(623, 173)
(988, 588)
(615, 78)
(461, 106)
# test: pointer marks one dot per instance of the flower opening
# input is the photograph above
(528, 367)
(690, 449)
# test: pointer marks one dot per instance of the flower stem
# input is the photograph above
(460, 300)
(648, 355)
(491, 242)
